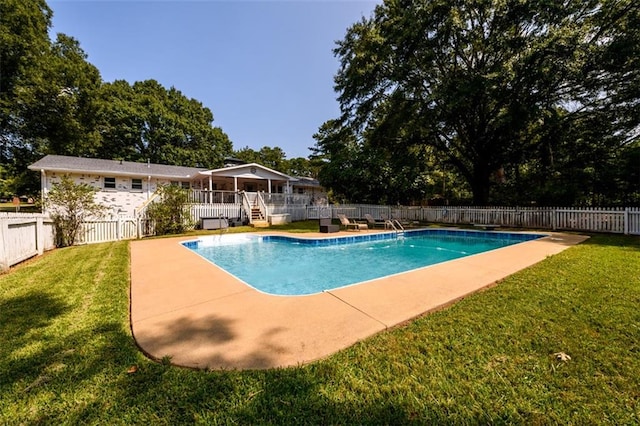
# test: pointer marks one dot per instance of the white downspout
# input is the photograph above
(43, 188)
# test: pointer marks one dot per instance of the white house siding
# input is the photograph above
(121, 201)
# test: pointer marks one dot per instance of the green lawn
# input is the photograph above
(66, 352)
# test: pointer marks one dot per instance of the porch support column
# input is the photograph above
(148, 187)
(210, 189)
(269, 180)
(286, 198)
(235, 188)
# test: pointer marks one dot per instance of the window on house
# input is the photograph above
(136, 183)
(186, 185)
(110, 183)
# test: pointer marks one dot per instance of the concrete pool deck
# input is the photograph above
(187, 308)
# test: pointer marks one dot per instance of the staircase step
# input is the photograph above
(260, 224)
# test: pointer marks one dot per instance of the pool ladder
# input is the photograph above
(223, 230)
(395, 225)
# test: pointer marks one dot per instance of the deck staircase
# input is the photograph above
(254, 206)
(257, 218)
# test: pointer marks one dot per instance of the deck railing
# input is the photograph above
(262, 205)
(197, 196)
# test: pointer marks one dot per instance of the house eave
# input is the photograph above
(108, 173)
(232, 172)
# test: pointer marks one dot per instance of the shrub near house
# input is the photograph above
(70, 204)
(171, 214)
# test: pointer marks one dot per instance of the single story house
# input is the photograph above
(126, 187)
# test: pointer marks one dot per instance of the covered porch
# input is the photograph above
(245, 188)
(246, 177)
(228, 184)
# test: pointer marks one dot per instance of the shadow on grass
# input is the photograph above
(23, 314)
(282, 396)
(24, 321)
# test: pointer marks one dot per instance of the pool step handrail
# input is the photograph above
(395, 225)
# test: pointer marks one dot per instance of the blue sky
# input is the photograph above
(264, 68)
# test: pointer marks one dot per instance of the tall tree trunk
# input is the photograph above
(480, 185)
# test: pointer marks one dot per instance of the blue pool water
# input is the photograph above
(295, 266)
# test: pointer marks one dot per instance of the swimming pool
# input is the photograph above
(283, 265)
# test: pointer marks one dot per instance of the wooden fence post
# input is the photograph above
(626, 221)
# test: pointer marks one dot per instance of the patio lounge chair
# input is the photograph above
(350, 225)
(373, 223)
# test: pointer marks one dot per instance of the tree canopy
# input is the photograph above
(276, 159)
(53, 101)
(145, 121)
(502, 93)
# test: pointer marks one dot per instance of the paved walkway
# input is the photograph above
(185, 307)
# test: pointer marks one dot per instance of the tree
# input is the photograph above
(470, 79)
(248, 155)
(49, 106)
(24, 39)
(69, 205)
(274, 158)
(300, 167)
(360, 171)
(57, 102)
(6, 184)
(145, 121)
(170, 214)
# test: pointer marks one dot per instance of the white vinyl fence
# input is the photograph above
(26, 235)
(614, 220)
(296, 213)
(120, 228)
(23, 236)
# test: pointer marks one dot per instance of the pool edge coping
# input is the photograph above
(158, 335)
(357, 238)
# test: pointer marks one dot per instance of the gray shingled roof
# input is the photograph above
(307, 181)
(62, 163)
